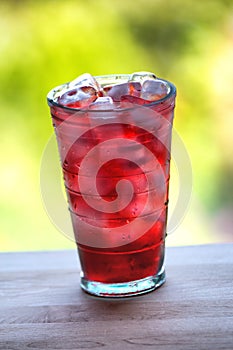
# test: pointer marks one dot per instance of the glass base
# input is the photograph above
(121, 290)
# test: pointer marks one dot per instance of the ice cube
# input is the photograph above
(141, 76)
(85, 80)
(153, 90)
(119, 90)
(78, 97)
(102, 103)
(80, 92)
(103, 100)
(116, 91)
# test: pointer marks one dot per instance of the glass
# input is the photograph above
(116, 162)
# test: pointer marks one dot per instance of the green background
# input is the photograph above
(46, 43)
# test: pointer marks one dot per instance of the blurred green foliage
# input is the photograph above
(46, 43)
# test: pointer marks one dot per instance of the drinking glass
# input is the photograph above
(116, 163)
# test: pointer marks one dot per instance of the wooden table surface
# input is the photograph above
(42, 306)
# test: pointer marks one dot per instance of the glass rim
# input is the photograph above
(52, 102)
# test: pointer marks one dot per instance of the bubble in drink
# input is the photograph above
(153, 90)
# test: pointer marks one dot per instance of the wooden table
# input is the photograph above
(42, 306)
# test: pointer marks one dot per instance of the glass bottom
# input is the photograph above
(121, 290)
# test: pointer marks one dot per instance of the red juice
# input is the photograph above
(115, 162)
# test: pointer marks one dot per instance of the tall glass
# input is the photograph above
(116, 165)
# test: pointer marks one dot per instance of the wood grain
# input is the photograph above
(42, 306)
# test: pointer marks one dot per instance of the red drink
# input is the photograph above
(115, 157)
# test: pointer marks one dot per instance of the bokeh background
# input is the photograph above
(46, 43)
